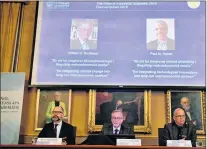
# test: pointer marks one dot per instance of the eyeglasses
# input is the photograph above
(57, 112)
(118, 118)
(180, 116)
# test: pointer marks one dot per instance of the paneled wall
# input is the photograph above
(80, 99)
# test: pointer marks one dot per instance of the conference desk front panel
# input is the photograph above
(90, 147)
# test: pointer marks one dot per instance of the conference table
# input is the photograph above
(29, 146)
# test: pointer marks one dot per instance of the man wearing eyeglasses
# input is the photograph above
(52, 104)
(116, 126)
(84, 31)
(179, 129)
(58, 128)
(162, 42)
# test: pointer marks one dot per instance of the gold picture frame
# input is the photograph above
(197, 100)
(44, 97)
(145, 127)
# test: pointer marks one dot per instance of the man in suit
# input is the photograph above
(162, 42)
(190, 115)
(116, 126)
(58, 128)
(52, 104)
(84, 31)
(179, 129)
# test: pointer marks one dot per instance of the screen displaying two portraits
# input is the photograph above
(120, 43)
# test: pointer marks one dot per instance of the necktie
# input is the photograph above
(55, 129)
(116, 131)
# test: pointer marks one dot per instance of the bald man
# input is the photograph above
(162, 42)
(179, 129)
(52, 104)
(58, 128)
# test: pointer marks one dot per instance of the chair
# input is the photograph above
(160, 137)
(74, 131)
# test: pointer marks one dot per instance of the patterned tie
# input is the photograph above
(55, 129)
(116, 131)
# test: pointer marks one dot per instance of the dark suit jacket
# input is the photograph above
(66, 130)
(152, 45)
(171, 132)
(125, 129)
(75, 44)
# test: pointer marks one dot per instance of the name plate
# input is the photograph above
(180, 143)
(49, 141)
(128, 142)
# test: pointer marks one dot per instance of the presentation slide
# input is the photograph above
(120, 44)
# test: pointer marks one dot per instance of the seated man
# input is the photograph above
(117, 127)
(179, 129)
(57, 128)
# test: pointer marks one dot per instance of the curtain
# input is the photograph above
(9, 21)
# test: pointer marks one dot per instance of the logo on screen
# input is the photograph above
(193, 5)
(58, 5)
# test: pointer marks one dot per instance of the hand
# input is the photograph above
(194, 122)
(119, 102)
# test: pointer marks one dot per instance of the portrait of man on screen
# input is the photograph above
(84, 34)
(160, 34)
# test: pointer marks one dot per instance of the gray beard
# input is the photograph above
(55, 118)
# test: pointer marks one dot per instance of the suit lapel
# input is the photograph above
(51, 127)
(62, 130)
(121, 130)
(174, 132)
(110, 129)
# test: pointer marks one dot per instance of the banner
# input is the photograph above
(12, 91)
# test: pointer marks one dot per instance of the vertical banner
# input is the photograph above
(12, 91)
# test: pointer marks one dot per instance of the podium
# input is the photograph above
(99, 139)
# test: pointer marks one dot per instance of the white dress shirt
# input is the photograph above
(162, 45)
(117, 129)
(189, 115)
(58, 128)
(83, 44)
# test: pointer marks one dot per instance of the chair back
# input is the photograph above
(160, 137)
(74, 131)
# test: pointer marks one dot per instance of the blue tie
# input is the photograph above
(116, 131)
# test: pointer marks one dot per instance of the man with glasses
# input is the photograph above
(179, 129)
(52, 104)
(58, 128)
(84, 31)
(116, 126)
